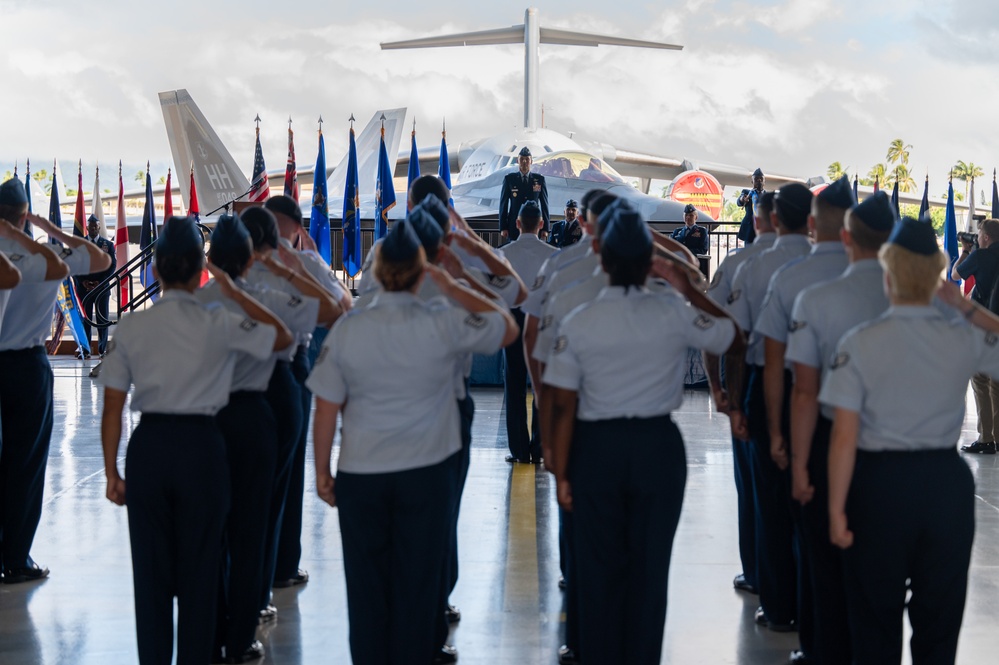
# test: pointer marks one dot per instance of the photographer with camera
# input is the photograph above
(982, 263)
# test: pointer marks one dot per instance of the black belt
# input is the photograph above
(193, 418)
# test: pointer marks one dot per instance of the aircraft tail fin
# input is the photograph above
(193, 141)
(367, 155)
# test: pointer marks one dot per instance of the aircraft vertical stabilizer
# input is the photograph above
(193, 141)
(367, 156)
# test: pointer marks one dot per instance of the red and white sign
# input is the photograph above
(699, 188)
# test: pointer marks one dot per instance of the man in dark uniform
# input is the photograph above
(87, 283)
(691, 235)
(748, 200)
(568, 231)
(517, 188)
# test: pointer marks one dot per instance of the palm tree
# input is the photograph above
(967, 172)
(898, 152)
(835, 171)
(877, 172)
(140, 176)
(906, 183)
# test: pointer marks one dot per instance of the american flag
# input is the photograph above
(260, 191)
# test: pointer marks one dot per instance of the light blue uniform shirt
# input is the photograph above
(391, 365)
(29, 309)
(625, 353)
(180, 354)
(31, 266)
(749, 287)
(526, 255)
(538, 290)
(906, 373)
(298, 313)
(826, 261)
(721, 281)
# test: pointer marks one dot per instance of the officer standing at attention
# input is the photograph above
(526, 254)
(175, 464)
(774, 532)
(615, 374)
(901, 500)
(519, 187)
(26, 388)
(87, 283)
(750, 199)
(982, 263)
(691, 235)
(568, 231)
(821, 315)
(390, 368)
(742, 454)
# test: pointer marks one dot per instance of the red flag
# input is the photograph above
(121, 240)
(290, 172)
(261, 189)
(79, 216)
(877, 185)
(192, 210)
(168, 199)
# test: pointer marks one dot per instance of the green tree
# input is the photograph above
(835, 171)
(140, 175)
(967, 173)
(906, 183)
(898, 153)
(162, 180)
(41, 176)
(7, 175)
(877, 172)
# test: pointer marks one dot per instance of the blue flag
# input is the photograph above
(414, 162)
(27, 191)
(950, 229)
(855, 186)
(352, 258)
(995, 197)
(444, 167)
(924, 205)
(384, 191)
(147, 232)
(894, 200)
(67, 305)
(319, 221)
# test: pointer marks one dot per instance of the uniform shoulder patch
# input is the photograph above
(66, 251)
(475, 321)
(538, 281)
(703, 321)
(15, 257)
(561, 344)
(546, 321)
(248, 324)
(716, 280)
(735, 295)
(499, 281)
(323, 352)
(294, 301)
(991, 339)
(839, 360)
(795, 326)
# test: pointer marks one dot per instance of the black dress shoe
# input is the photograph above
(798, 657)
(447, 654)
(452, 613)
(267, 615)
(516, 460)
(760, 617)
(567, 656)
(301, 577)
(253, 652)
(982, 448)
(741, 584)
(562, 583)
(29, 573)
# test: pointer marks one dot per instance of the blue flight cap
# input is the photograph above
(285, 205)
(839, 194)
(525, 152)
(179, 236)
(626, 233)
(689, 208)
(758, 173)
(230, 232)
(530, 210)
(426, 228)
(571, 203)
(401, 243)
(793, 203)
(916, 236)
(12, 193)
(92, 218)
(876, 212)
(432, 205)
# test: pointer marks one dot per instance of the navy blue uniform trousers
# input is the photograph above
(284, 396)
(251, 442)
(26, 416)
(832, 630)
(177, 495)
(626, 507)
(743, 461)
(394, 528)
(775, 560)
(289, 553)
(524, 444)
(912, 515)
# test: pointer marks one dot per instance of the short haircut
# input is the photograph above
(180, 268)
(231, 257)
(286, 206)
(426, 185)
(828, 218)
(991, 228)
(600, 202)
(914, 278)
(262, 225)
(862, 235)
(623, 271)
(13, 214)
(530, 218)
(398, 275)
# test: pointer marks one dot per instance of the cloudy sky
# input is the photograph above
(788, 85)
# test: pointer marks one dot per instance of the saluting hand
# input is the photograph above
(840, 536)
(116, 490)
(222, 278)
(326, 488)
(950, 294)
(289, 258)
(450, 263)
